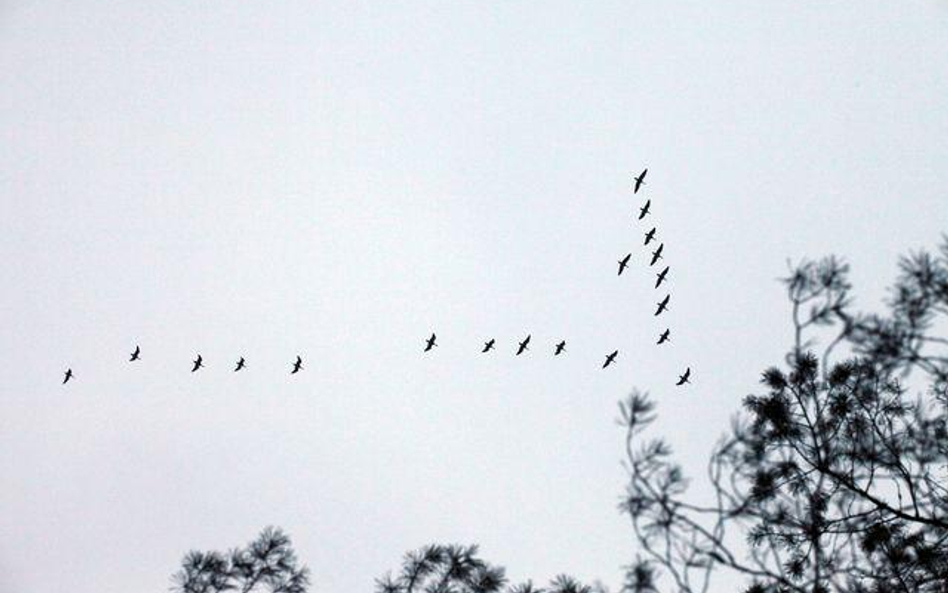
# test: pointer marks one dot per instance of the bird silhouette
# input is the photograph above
(523, 345)
(610, 358)
(488, 345)
(198, 363)
(297, 365)
(135, 354)
(657, 254)
(68, 376)
(430, 343)
(661, 277)
(662, 305)
(682, 379)
(664, 337)
(623, 263)
(650, 235)
(644, 209)
(240, 364)
(560, 348)
(639, 181)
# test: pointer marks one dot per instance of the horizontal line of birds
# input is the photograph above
(198, 364)
(662, 305)
(297, 365)
(559, 348)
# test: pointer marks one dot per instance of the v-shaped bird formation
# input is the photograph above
(523, 346)
(660, 278)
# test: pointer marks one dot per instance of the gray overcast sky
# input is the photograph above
(339, 179)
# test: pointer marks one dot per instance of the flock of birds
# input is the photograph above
(662, 305)
(522, 347)
(197, 364)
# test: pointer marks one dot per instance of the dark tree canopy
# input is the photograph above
(267, 564)
(834, 474)
(458, 569)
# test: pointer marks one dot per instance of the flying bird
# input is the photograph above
(661, 277)
(639, 181)
(240, 364)
(488, 345)
(297, 365)
(682, 379)
(68, 376)
(430, 343)
(662, 305)
(644, 209)
(610, 359)
(135, 354)
(657, 254)
(198, 363)
(623, 263)
(523, 345)
(560, 348)
(664, 336)
(650, 235)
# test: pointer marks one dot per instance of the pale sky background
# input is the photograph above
(339, 179)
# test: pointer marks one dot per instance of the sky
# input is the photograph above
(340, 179)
